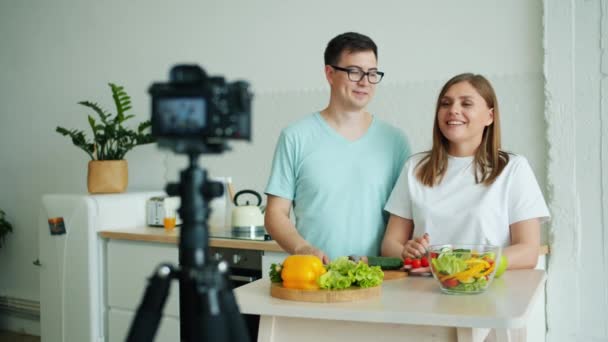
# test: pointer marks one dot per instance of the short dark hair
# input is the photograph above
(351, 42)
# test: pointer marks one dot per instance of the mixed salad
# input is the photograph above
(463, 270)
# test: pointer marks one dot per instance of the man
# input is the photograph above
(338, 166)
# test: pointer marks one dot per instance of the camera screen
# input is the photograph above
(182, 115)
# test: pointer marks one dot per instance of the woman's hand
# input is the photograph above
(310, 250)
(416, 248)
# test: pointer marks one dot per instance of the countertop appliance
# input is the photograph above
(247, 219)
(157, 207)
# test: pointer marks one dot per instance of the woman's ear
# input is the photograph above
(490, 117)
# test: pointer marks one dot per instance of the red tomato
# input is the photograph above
(489, 260)
(407, 261)
(424, 262)
(450, 283)
(416, 263)
(434, 255)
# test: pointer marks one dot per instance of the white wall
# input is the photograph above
(577, 129)
(55, 54)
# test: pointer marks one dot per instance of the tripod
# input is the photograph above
(208, 309)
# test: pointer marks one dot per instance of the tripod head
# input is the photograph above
(194, 115)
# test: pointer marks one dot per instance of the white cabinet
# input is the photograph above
(72, 267)
(129, 265)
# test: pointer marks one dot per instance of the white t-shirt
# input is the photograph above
(458, 211)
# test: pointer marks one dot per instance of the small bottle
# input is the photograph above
(169, 220)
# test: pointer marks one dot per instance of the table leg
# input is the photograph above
(471, 334)
(266, 329)
(511, 335)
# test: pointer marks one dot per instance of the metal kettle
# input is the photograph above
(247, 217)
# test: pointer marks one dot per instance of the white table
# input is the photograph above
(409, 309)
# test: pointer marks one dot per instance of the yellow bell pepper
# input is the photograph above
(489, 270)
(475, 270)
(302, 272)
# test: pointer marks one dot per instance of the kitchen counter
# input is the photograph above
(412, 307)
(159, 235)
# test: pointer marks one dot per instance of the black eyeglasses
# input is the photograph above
(356, 74)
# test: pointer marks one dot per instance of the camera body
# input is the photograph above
(193, 108)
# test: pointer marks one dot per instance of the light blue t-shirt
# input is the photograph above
(338, 187)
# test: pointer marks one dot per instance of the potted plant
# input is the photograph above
(5, 227)
(108, 170)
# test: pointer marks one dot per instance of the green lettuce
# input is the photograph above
(448, 263)
(343, 273)
(368, 276)
(333, 280)
(342, 265)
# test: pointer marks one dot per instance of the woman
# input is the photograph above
(466, 190)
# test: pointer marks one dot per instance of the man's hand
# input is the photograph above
(416, 248)
(310, 250)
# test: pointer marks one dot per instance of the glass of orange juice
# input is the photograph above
(169, 220)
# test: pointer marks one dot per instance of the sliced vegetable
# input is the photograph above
(450, 283)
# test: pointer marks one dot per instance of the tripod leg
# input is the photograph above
(146, 321)
(220, 319)
(215, 315)
(238, 328)
(230, 319)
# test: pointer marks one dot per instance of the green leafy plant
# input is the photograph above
(111, 140)
(5, 227)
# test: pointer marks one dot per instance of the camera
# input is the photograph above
(192, 108)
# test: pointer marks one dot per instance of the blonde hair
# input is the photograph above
(489, 160)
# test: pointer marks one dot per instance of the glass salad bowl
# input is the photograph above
(463, 269)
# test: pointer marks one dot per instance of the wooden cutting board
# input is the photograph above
(394, 274)
(325, 296)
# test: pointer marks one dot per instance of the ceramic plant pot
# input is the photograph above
(107, 176)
